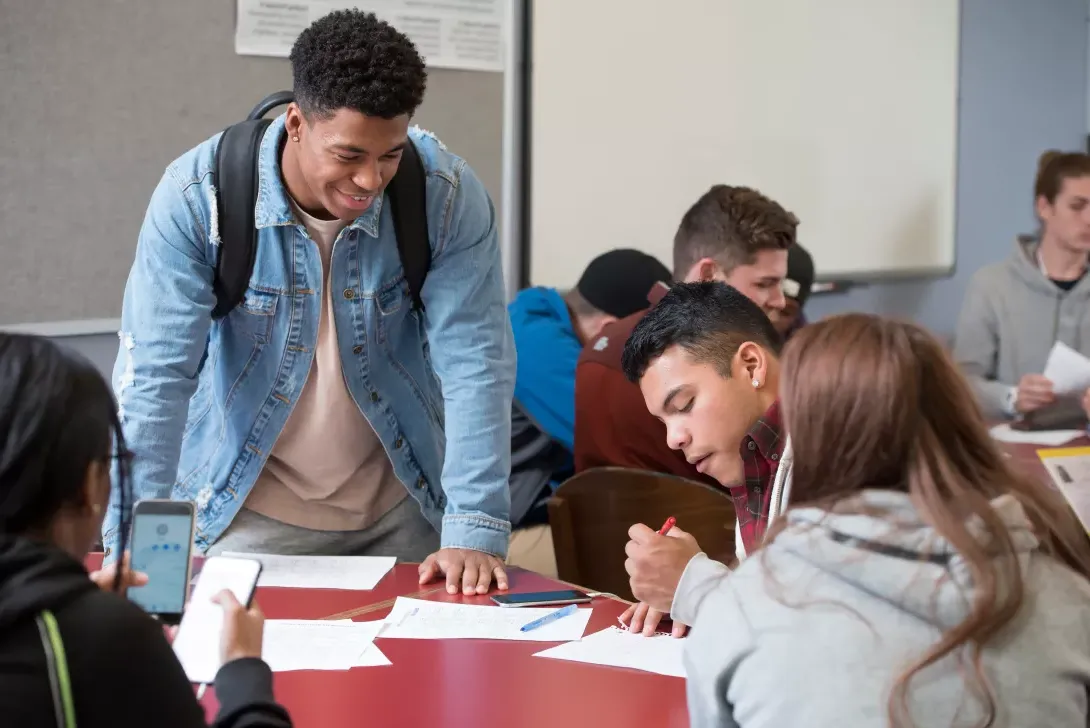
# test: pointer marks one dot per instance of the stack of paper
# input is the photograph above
(359, 573)
(619, 648)
(423, 620)
(298, 644)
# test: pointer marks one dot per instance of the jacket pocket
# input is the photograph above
(253, 317)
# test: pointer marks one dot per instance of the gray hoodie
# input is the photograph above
(868, 602)
(1011, 317)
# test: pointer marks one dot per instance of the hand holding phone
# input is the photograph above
(162, 545)
(243, 629)
(216, 627)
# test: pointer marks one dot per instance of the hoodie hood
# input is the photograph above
(888, 551)
(36, 576)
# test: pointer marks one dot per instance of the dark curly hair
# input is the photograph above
(352, 60)
(710, 320)
(731, 225)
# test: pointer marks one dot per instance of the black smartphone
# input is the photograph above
(541, 599)
(162, 547)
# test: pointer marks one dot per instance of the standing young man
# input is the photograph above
(326, 414)
(731, 234)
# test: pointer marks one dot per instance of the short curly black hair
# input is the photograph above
(350, 59)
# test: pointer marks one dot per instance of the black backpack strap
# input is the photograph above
(236, 183)
(408, 196)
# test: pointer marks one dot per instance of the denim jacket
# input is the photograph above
(203, 401)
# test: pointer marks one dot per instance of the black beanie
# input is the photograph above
(617, 282)
(800, 274)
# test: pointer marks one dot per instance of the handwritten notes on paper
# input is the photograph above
(422, 620)
(353, 573)
(616, 647)
(466, 34)
(298, 644)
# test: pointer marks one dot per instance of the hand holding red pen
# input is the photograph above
(655, 564)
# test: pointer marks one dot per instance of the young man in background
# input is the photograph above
(551, 328)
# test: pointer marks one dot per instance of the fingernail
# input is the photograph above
(452, 589)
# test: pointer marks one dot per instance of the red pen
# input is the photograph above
(670, 523)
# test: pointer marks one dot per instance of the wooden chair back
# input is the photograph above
(590, 515)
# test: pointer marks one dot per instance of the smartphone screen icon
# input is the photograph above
(161, 547)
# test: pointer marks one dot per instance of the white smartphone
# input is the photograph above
(161, 546)
(197, 643)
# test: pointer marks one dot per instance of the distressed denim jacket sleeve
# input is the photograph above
(165, 322)
(473, 355)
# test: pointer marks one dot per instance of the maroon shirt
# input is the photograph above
(761, 450)
(612, 424)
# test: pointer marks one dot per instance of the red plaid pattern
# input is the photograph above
(761, 450)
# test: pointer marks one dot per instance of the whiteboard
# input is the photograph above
(844, 111)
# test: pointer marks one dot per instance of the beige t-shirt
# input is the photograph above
(328, 470)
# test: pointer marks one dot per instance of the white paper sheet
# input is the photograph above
(421, 620)
(1048, 438)
(298, 644)
(616, 647)
(1068, 369)
(467, 34)
(354, 573)
(1071, 474)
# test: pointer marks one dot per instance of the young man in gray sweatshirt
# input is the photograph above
(1017, 309)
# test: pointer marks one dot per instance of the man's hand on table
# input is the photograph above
(655, 564)
(472, 570)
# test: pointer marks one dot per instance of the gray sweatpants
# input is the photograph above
(403, 532)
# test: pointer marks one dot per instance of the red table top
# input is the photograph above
(455, 683)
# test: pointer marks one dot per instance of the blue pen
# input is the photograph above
(551, 617)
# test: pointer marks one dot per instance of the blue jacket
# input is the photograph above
(543, 417)
(202, 402)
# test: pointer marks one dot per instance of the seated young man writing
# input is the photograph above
(706, 359)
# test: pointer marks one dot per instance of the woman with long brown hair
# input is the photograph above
(916, 580)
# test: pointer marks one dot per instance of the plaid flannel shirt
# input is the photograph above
(761, 450)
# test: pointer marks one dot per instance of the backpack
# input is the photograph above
(236, 182)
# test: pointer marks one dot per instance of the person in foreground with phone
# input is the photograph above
(72, 650)
(706, 359)
(916, 580)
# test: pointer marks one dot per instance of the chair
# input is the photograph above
(590, 515)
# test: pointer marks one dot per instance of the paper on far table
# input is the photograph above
(1048, 438)
(299, 644)
(616, 647)
(360, 573)
(1070, 471)
(1068, 370)
(420, 620)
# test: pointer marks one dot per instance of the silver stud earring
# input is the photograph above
(756, 384)
(295, 138)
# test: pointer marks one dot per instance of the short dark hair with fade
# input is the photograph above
(731, 225)
(350, 59)
(709, 320)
